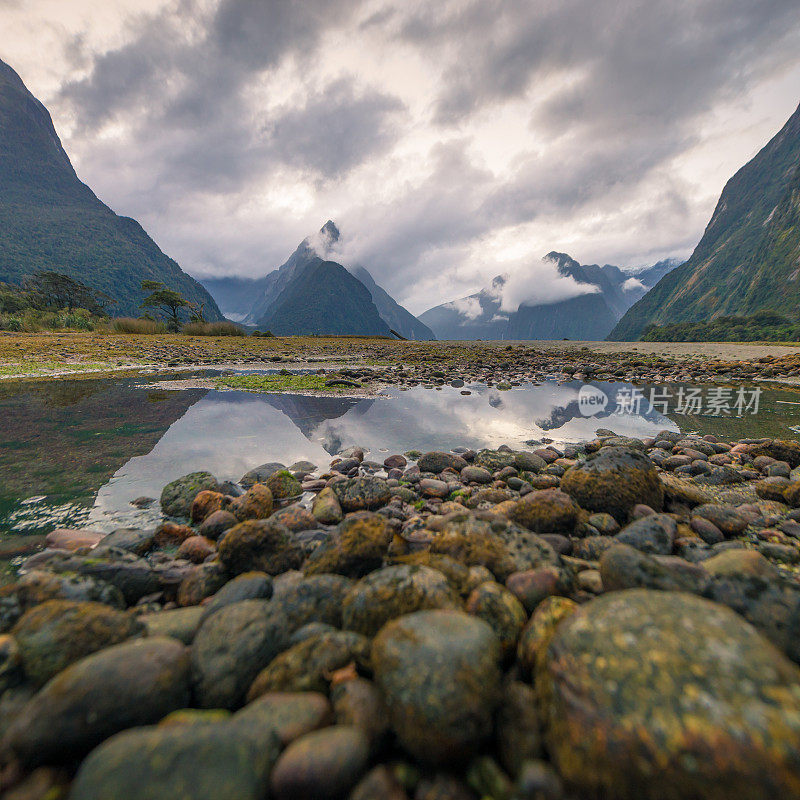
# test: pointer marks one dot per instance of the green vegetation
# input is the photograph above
(764, 326)
(138, 326)
(212, 329)
(283, 383)
(50, 220)
(749, 257)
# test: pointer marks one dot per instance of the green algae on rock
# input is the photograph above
(439, 672)
(665, 695)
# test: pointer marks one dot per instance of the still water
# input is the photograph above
(78, 452)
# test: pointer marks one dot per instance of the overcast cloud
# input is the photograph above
(450, 141)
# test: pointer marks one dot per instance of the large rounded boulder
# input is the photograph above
(614, 480)
(653, 694)
(439, 673)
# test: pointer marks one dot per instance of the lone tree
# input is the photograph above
(168, 301)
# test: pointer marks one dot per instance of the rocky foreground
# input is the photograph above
(616, 620)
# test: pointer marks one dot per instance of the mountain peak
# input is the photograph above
(330, 231)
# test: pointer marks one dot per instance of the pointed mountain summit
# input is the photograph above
(749, 256)
(313, 293)
(49, 220)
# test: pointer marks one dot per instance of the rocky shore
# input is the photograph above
(619, 619)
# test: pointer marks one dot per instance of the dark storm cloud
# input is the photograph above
(613, 92)
(335, 130)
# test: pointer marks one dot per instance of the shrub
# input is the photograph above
(224, 328)
(132, 325)
(264, 334)
(11, 324)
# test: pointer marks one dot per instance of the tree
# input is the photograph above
(168, 301)
(57, 290)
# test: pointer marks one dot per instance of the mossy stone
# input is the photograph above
(178, 495)
(439, 672)
(666, 695)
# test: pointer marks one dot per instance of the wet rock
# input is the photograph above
(654, 534)
(494, 460)
(260, 474)
(473, 474)
(539, 631)
(247, 586)
(230, 649)
(518, 727)
(196, 549)
(263, 545)
(357, 546)
(532, 586)
(134, 540)
(661, 694)
(624, 567)
(205, 762)
(283, 485)
(324, 764)
(528, 462)
(55, 634)
(307, 666)
(129, 684)
(296, 518)
(172, 534)
(10, 663)
(357, 702)
(440, 677)
(317, 598)
(255, 503)
(437, 461)
(779, 449)
(203, 581)
(604, 523)
(492, 542)
(726, 518)
(614, 480)
(772, 606)
(379, 782)
(498, 607)
(205, 504)
(358, 494)
(36, 587)
(214, 525)
(791, 494)
(592, 548)
(179, 623)
(177, 496)
(391, 592)
(289, 714)
(395, 462)
(546, 511)
(538, 781)
(706, 530)
(71, 539)
(133, 576)
(326, 508)
(740, 562)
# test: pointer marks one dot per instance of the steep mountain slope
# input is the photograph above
(749, 256)
(589, 316)
(323, 298)
(392, 313)
(233, 295)
(49, 220)
(291, 280)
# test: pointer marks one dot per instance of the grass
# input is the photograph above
(213, 329)
(29, 367)
(283, 383)
(132, 325)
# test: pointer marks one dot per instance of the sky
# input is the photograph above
(451, 141)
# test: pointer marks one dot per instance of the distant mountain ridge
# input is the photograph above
(749, 257)
(50, 220)
(589, 316)
(309, 292)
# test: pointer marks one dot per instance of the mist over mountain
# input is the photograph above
(274, 301)
(558, 299)
(50, 220)
(749, 257)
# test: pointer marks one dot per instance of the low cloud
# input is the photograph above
(539, 283)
